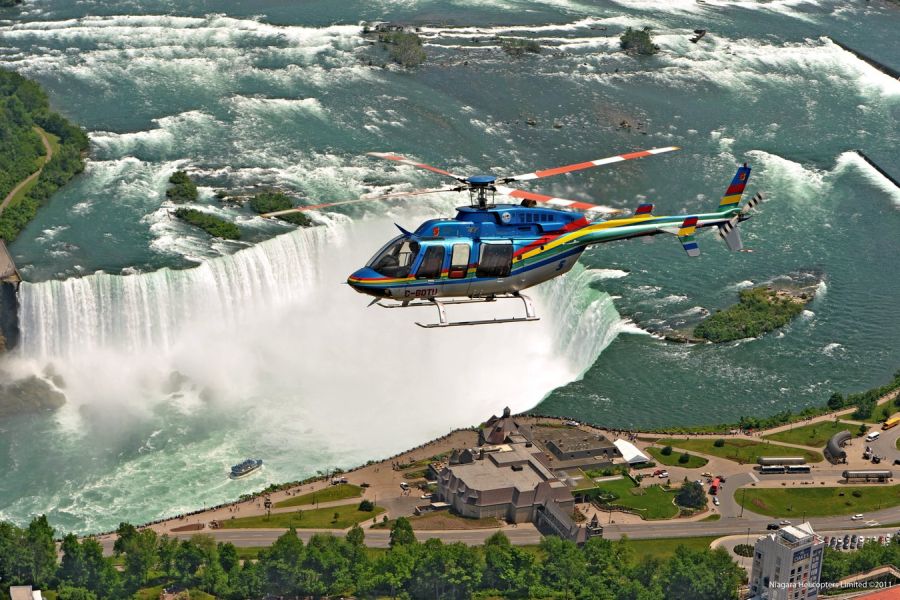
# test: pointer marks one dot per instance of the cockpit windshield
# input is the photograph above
(396, 259)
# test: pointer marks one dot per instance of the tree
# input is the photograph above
(507, 569)
(719, 443)
(393, 569)
(836, 401)
(166, 550)
(183, 189)
(666, 451)
(684, 458)
(691, 495)
(266, 202)
(564, 567)
(41, 550)
(139, 548)
(367, 506)
(72, 568)
(188, 559)
(280, 564)
(100, 576)
(74, 593)
(638, 41)
(228, 556)
(356, 536)
(402, 533)
(701, 575)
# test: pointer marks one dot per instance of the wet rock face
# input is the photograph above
(28, 395)
(9, 321)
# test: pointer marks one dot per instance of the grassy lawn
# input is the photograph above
(445, 520)
(329, 494)
(319, 518)
(672, 459)
(819, 502)
(664, 548)
(741, 450)
(882, 413)
(652, 502)
(712, 517)
(815, 434)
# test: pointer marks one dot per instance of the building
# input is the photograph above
(878, 475)
(571, 447)
(787, 564)
(630, 452)
(834, 449)
(497, 429)
(508, 481)
(24, 592)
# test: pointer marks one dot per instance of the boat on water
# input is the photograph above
(246, 467)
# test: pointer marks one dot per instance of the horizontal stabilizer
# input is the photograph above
(643, 209)
(731, 234)
(755, 201)
(686, 236)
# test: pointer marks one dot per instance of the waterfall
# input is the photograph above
(273, 327)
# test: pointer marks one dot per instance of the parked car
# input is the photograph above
(426, 496)
(657, 472)
(706, 474)
(785, 522)
(856, 517)
(773, 526)
(846, 541)
(716, 500)
(663, 474)
(404, 486)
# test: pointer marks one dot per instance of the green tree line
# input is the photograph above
(23, 104)
(329, 566)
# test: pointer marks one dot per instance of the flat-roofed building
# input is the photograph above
(24, 592)
(508, 482)
(571, 447)
(787, 564)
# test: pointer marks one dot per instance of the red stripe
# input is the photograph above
(690, 222)
(736, 188)
(558, 170)
(644, 209)
(639, 154)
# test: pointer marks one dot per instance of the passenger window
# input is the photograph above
(431, 263)
(496, 260)
(459, 261)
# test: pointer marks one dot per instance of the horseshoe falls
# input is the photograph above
(180, 355)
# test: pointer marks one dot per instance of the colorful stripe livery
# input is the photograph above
(644, 209)
(733, 194)
(686, 236)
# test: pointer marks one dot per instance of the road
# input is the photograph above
(522, 535)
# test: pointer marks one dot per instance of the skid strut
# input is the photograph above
(442, 313)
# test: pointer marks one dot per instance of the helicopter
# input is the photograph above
(493, 251)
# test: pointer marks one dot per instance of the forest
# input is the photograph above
(329, 566)
(23, 108)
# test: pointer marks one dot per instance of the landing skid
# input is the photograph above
(442, 313)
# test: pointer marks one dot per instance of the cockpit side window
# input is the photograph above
(432, 263)
(459, 261)
(396, 260)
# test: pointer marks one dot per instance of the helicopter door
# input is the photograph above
(432, 262)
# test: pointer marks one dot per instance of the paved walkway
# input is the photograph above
(33, 176)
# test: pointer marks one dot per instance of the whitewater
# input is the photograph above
(180, 355)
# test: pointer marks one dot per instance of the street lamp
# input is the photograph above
(743, 500)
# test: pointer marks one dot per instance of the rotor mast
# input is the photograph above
(479, 187)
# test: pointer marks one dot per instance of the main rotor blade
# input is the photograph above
(412, 163)
(588, 165)
(363, 199)
(557, 202)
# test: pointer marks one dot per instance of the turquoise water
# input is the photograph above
(174, 371)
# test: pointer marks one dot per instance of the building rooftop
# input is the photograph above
(506, 466)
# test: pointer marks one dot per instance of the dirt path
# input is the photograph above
(34, 175)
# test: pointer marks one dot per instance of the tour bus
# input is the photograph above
(891, 423)
(767, 469)
(798, 469)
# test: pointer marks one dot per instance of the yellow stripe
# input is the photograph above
(730, 199)
(686, 231)
(590, 228)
